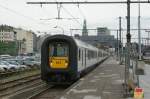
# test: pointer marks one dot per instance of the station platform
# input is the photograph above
(104, 82)
(145, 81)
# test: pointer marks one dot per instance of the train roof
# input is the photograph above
(84, 44)
(78, 42)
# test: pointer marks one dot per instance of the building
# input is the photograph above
(103, 31)
(6, 36)
(103, 39)
(40, 40)
(35, 38)
(25, 40)
(6, 33)
(84, 30)
(7, 40)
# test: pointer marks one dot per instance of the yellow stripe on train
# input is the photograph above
(58, 62)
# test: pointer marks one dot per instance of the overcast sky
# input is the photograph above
(19, 14)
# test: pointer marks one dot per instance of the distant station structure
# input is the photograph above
(84, 30)
(102, 39)
(103, 31)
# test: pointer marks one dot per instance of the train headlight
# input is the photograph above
(51, 64)
(66, 64)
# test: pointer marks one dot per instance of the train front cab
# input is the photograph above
(58, 60)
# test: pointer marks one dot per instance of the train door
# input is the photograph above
(85, 58)
(58, 55)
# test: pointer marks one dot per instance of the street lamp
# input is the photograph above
(139, 33)
(15, 39)
(60, 28)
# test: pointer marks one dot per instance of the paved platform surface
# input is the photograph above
(145, 82)
(105, 82)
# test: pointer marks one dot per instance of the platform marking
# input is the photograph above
(82, 79)
(108, 70)
(82, 91)
(62, 97)
(101, 73)
(106, 92)
(94, 80)
(92, 97)
(97, 76)
(109, 75)
(118, 82)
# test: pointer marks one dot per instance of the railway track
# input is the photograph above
(9, 84)
(28, 91)
(11, 87)
(53, 92)
(38, 90)
(31, 87)
(28, 87)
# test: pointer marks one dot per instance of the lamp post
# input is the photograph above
(139, 32)
(60, 28)
(16, 45)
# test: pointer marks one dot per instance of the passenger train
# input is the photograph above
(146, 55)
(64, 59)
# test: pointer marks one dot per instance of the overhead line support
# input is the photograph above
(112, 2)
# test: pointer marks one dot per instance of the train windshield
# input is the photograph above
(58, 50)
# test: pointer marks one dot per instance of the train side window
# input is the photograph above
(100, 54)
(82, 57)
(95, 54)
(79, 54)
(88, 54)
(85, 57)
(85, 54)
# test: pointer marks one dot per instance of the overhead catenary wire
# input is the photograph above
(80, 11)
(69, 13)
(91, 2)
(20, 14)
(83, 15)
(58, 16)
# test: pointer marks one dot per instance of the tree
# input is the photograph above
(8, 48)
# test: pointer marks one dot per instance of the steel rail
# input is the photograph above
(20, 88)
(17, 82)
(33, 96)
(27, 91)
